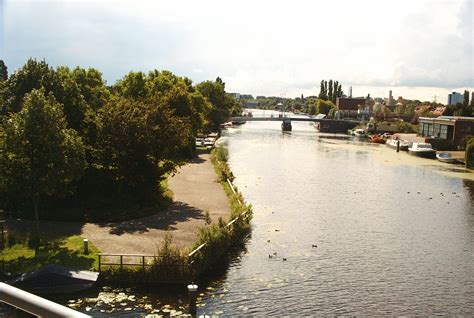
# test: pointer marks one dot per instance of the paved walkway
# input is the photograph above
(195, 189)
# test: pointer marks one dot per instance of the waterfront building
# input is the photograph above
(445, 132)
(349, 107)
(455, 98)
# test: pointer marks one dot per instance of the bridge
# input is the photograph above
(325, 125)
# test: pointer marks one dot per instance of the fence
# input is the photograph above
(142, 260)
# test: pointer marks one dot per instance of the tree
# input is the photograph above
(3, 71)
(33, 75)
(466, 99)
(222, 104)
(323, 107)
(132, 85)
(40, 156)
(133, 137)
(330, 91)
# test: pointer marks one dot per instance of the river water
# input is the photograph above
(342, 227)
(394, 234)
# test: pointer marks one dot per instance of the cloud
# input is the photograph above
(436, 54)
(260, 47)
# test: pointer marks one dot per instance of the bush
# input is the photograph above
(470, 154)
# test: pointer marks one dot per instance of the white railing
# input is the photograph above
(35, 305)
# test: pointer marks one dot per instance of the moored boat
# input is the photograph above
(54, 279)
(377, 139)
(446, 157)
(394, 143)
(359, 133)
(422, 149)
(286, 125)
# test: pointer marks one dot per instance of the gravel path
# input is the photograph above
(195, 189)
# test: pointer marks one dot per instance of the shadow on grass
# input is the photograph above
(177, 212)
(60, 243)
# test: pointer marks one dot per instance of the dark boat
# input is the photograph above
(54, 279)
(286, 125)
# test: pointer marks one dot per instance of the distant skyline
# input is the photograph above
(418, 49)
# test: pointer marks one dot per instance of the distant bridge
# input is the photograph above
(316, 120)
(324, 124)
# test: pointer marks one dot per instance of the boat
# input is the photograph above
(55, 280)
(377, 139)
(286, 125)
(393, 143)
(422, 149)
(359, 133)
(446, 157)
(238, 122)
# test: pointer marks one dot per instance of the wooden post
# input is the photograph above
(86, 246)
(121, 262)
(143, 262)
(398, 145)
(99, 262)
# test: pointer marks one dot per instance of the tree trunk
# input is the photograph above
(35, 206)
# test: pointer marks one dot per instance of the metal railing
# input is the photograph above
(35, 305)
(123, 260)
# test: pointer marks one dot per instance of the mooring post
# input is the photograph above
(192, 290)
(86, 246)
(398, 145)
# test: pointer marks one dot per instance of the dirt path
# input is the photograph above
(195, 189)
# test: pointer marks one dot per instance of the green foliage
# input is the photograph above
(323, 107)
(3, 71)
(53, 249)
(126, 137)
(40, 157)
(222, 104)
(219, 157)
(469, 156)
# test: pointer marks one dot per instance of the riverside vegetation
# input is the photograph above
(173, 265)
(73, 148)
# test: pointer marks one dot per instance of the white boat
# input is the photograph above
(422, 149)
(392, 143)
(445, 157)
(359, 133)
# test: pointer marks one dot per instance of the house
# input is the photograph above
(349, 107)
(445, 132)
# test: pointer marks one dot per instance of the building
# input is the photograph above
(445, 132)
(455, 98)
(349, 107)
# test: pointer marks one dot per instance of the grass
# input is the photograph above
(67, 251)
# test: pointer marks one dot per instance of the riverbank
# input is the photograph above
(197, 191)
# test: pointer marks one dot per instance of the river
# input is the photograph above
(343, 227)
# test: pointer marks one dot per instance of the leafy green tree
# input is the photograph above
(33, 75)
(330, 90)
(132, 85)
(323, 106)
(134, 136)
(40, 156)
(466, 99)
(3, 71)
(222, 104)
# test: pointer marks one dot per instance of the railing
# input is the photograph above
(143, 261)
(123, 260)
(35, 305)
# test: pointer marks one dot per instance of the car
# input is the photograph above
(386, 135)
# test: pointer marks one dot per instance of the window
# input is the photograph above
(430, 130)
(443, 132)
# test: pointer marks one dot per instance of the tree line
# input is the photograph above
(69, 140)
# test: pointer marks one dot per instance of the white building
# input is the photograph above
(455, 98)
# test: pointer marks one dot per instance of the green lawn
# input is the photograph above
(66, 251)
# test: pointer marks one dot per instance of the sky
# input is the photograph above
(419, 49)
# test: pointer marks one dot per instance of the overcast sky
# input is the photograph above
(416, 48)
